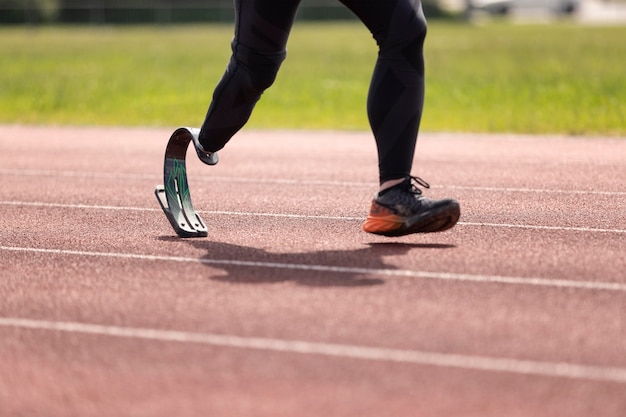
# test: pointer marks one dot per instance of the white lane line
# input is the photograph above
(76, 174)
(285, 181)
(443, 276)
(306, 216)
(539, 227)
(533, 190)
(417, 357)
(75, 206)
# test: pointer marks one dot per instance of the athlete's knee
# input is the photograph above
(406, 33)
(416, 34)
(407, 30)
(261, 67)
(413, 50)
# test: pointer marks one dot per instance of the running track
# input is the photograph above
(287, 308)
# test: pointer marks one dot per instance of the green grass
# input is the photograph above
(494, 78)
(563, 79)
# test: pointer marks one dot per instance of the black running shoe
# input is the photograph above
(402, 210)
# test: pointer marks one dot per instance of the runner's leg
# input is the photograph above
(396, 95)
(259, 47)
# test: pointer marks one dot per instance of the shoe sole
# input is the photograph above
(431, 221)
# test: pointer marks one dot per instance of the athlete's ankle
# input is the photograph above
(390, 183)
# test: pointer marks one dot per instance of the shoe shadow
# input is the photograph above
(332, 268)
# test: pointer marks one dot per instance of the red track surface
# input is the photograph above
(287, 308)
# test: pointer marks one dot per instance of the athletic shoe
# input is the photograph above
(209, 158)
(402, 210)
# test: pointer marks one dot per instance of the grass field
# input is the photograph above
(560, 78)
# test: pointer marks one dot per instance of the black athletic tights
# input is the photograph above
(396, 94)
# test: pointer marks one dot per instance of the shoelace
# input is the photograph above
(408, 193)
(414, 183)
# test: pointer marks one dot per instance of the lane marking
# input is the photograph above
(74, 206)
(533, 190)
(442, 276)
(306, 216)
(284, 181)
(416, 357)
(76, 174)
(540, 227)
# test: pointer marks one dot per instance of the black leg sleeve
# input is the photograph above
(396, 96)
(259, 47)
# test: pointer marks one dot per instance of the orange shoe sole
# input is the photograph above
(383, 221)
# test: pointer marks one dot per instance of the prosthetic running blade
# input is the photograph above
(174, 196)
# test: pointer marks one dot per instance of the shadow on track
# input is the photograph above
(332, 268)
